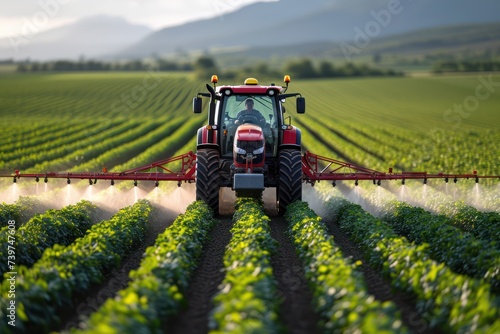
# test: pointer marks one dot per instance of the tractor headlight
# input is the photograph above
(259, 150)
(240, 150)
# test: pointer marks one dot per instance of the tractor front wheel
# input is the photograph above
(207, 177)
(290, 178)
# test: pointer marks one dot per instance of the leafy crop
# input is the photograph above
(9, 212)
(461, 251)
(158, 286)
(20, 212)
(64, 271)
(447, 300)
(484, 225)
(44, 231)
(340, 295)
(247, 300)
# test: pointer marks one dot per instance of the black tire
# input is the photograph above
(207, 177)
(290, 178)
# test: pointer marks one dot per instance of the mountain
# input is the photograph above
(439, 40)
(288, 22)
(90, 37)
(294, 26)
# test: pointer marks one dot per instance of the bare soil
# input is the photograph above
(378, 286)
(204, 283)
(89, 301)
(294, 296)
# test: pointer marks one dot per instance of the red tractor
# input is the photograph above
(248, 143)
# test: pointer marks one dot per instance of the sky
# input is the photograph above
(16, 15)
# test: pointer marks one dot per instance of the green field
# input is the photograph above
(86, 121)
(103, 259)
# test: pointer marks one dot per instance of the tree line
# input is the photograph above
(205, 66)
(466, 66)
(92, 65)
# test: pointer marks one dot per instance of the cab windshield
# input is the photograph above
(255, 109)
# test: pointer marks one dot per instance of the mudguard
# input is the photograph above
(292, 137)
(203, 137)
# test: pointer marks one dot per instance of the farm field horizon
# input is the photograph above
(420, 257)
(409, 123)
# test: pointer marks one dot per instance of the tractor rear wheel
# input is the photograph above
(207, 177)
(290, 178)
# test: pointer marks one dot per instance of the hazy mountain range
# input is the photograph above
(256, 26)
(91, 37)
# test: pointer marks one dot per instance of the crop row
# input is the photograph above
(10, 212)
(340, 294)
(62, 147)
(449, 301)
(483, 225)
(166, 147)
(43, 141)
(97, 96)
(63, 271)
(21, 211)
(120, 152)
(423, 144)
(158, 286)
(95, 145)
(247, 301)
(431, 154)
(59, 146)
(44, 231)
(35, 134)
(461, 251)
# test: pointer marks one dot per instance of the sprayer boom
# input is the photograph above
(335, 170)
(314, 168)
(157, 171)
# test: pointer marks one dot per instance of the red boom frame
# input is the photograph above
(336, 170)
(157, 171)
(312, 170)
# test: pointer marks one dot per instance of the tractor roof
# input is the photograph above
(251, 86)
(250, 89)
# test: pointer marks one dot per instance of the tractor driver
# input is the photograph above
(251, 112)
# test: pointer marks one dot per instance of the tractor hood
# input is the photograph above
(249, 132)
(249, 146)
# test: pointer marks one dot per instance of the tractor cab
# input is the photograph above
(247, 136)
(258, 110)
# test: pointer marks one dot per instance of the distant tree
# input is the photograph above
(301, 69)
(468, 66)
(63, 65)
(350, 70)
(326, 69)
(166, 65)
(35, 67)
(205, 67)
(135, 65)
(377, 58)
(22, 68)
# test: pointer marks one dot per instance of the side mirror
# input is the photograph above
(197, 105)
(301, 105)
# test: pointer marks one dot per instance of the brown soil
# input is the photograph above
(294, 296)
(204, 284)
(89, 301)
(378, 286)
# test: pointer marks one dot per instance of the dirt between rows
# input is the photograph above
(91, 300)
(204, 283)
(294, 298)
(378, 286)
